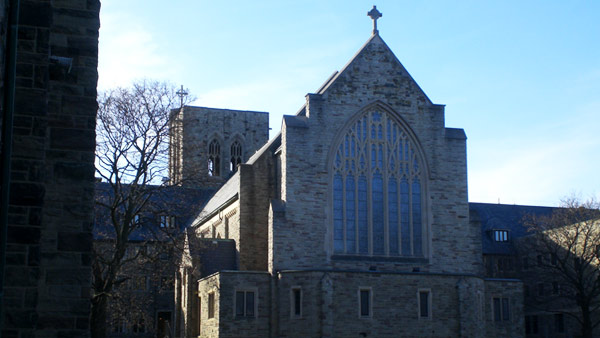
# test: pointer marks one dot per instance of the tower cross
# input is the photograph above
(374, 14)
(181, 93)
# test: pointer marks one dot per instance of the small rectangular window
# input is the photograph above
(239, 304)
(501, 235)
(540, 288)
(119, 326)
(249, 304)
(296, 297)
(139, 326)
(501, 309)
(244, 304)
(559, 322)
(364, 302)
(531, 325)
(167, 221)
(139, 283)
(497, 310)
(211, 305)
(424, 304)
(505, 309)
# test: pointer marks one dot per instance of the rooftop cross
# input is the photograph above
(181, 93)
(375, 14)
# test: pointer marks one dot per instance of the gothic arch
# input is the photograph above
(378, 177)
(214, 155)
(236, 152)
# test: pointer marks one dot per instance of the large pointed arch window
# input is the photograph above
(214, 158)
(236, 155)
(378, 190)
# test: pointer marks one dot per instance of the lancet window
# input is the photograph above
(236, 156)
(214, 158)
(378, 190)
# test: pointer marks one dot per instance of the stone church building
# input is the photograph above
(353, 221)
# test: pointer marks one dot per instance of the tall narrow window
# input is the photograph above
(211, 305)
(214, 158)
(378, 189)
(531, 324)
(139, 326)
(296, 302)
(424, 298)
(236, 156)
(364, 302)
(559, 322)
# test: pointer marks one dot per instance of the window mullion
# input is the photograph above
(369, 184)
(385, 175)
(356, 198)
(410, 214)
(398, 205)
(344, 199)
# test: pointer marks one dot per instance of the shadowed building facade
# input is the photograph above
(48, 143)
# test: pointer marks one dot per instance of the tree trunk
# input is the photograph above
(586, 326)
(98, 316)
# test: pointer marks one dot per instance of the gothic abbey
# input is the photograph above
(353, 221)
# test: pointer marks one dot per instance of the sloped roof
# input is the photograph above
(227, 192)
(181, 202)
(503, 217)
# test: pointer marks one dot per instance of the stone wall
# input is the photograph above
(374, 78)
(332, 300)
(330, 305)
(198, 126)
(48, 275)
(513, 290)
(224, 286)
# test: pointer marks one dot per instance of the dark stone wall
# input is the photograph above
(48, 275)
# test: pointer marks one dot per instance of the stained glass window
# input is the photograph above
(378, 190)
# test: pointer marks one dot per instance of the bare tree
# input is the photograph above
(132, 157)
(565, 248)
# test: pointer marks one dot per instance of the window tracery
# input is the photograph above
(236, 156)
(377, 190)
(214, 158)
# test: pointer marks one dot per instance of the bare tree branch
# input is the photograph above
(566, 245)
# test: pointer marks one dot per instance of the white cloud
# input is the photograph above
(128, 51)
(553, 163)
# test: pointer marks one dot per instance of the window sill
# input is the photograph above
(415, 260)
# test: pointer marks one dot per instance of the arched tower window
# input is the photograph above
(214, 158)
(377, 190)
(236, 156)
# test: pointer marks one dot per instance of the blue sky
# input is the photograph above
(521, 77)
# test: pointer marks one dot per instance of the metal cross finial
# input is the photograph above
(375, 14)
(181, 93)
